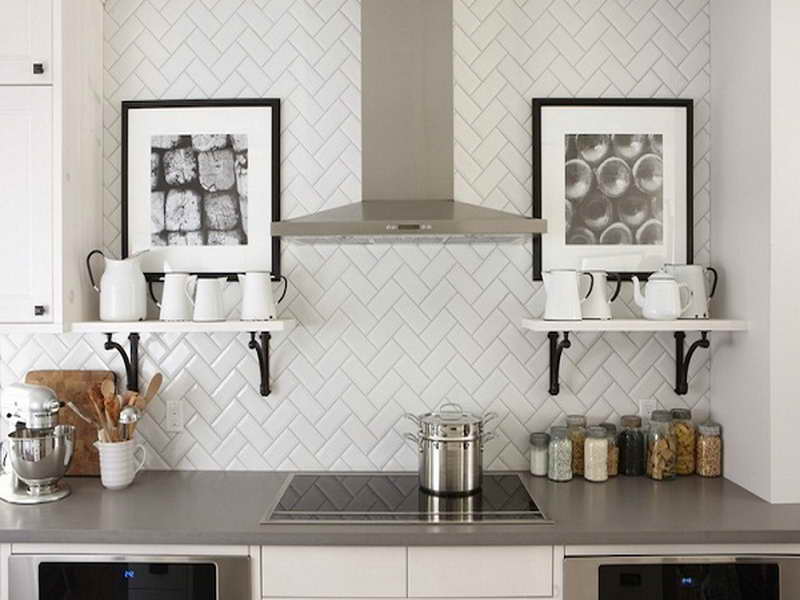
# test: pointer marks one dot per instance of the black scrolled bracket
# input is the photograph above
(131, 361)
(262, 352)
(556, 348)
(682, 362)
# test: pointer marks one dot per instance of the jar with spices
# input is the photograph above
(613, 451)
(539, 442)
(576, 432)
(631, 445)
(685, 436)
(559, 459)
(595, 454)
(661, 447)
(709, 450)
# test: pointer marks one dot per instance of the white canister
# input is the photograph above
(119, 463)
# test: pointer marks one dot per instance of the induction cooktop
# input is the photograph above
(397, 498)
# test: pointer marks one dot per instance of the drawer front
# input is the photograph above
(333, 572)
(480, 572)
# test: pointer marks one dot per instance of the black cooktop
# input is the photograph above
(396, 497)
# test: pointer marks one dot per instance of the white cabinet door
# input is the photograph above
(26, 230)
(26, 32)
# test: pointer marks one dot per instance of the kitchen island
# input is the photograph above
(225, 508)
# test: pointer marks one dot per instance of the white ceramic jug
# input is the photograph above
(696, 277)
(174, 304)
(597, 304)
(209, 304)
(662, 298)
(258, 303)
(122, 288)
(563, 299)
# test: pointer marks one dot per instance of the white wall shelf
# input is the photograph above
(260, 335)
(678, 327)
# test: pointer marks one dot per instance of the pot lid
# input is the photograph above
(450, 413)
(661, 275)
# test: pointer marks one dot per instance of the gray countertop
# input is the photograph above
(225, 508)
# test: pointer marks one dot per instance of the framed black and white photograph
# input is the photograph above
(201, 185)
(613, 178)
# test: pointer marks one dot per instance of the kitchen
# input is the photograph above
(368, 332)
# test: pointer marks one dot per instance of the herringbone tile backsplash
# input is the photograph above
(386, 329)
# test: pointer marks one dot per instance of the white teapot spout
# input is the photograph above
(637, 292)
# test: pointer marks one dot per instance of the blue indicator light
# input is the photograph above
(687, 581)
(128, 574)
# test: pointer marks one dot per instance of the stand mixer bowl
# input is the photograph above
(41, 457)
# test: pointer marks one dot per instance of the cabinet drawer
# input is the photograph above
(333, 571)
(480, 572)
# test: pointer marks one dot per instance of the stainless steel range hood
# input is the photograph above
(407, 139)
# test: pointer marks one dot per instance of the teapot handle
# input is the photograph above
(713, 271)
(618, 277)
(89, 268)
(689, 300)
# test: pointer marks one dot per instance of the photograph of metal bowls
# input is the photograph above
(614, 188)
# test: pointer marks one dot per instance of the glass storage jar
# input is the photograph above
(576, 432)
(613, 451)
(595, 454)
(631, 445)
(559, 455)
(661, 447)
(709, 449)
(539, 442)
(685, 437)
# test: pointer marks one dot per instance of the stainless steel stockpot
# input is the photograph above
(450, 445)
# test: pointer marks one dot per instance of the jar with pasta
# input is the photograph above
(576, 432)
(559, 455)
(613, 451)
(595, 454)
(661, 447)
(685, 437)
(709, 450)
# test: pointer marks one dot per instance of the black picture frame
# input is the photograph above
(536, 124)
(273, 103)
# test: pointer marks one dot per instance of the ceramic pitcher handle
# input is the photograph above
(89, 268)
(286, 288)
(618, 277)
(153, 294)
(186, 291)
(140, 462)
(682, 286)
(713, 271)
(591, 285)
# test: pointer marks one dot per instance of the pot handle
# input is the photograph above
(412, 417)
(488, 437)
(89, 268)
(488, 418)
(411, 437)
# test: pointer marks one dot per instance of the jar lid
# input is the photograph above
(609, 427)
(709, 428)
(597, 432)
(661, 416)
(632, 421)
(682, 414)
(576, 420)
(540, 438)
(558, 431)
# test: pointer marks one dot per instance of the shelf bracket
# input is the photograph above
(131, 361)
(262, 352)
(556, 348)
(682, 362)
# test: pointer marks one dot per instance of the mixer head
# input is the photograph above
(30, 406)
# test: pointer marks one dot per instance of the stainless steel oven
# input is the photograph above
(728, 577)
(112, 577)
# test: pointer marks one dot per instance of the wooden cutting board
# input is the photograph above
(74, 386)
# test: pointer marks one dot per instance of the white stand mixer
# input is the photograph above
(37, 453)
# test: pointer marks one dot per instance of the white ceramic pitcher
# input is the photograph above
(174, 304)
(258, 302)
(563, 299)
(597, 304)
(208, 301)
(122, 288)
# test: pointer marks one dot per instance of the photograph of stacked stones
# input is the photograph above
(198, 189)
(614, 189)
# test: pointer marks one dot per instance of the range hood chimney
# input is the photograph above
(407, 140)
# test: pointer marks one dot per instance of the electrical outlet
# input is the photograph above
(646, 408)
(174, 418)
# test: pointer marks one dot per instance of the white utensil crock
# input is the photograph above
(175, 305)
(209, 304)
(122, 288)
(119, 463)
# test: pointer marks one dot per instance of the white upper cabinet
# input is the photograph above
(26, 41)
(26, 120)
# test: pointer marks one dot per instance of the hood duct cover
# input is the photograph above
(407, 139)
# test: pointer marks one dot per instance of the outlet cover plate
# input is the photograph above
(174, 418)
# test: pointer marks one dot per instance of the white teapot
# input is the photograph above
(662, 298)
